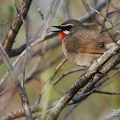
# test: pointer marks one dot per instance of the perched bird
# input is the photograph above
(80, 45)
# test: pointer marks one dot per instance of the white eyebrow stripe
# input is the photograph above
(67, 25)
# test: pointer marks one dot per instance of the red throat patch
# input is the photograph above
(62, 35)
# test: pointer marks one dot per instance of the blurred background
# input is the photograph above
(41, 67)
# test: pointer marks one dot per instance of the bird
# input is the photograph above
(81, 45)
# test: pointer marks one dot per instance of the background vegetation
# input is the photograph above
(43, 59)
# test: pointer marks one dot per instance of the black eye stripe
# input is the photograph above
(66, 27)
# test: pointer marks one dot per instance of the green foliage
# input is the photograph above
(3, 70)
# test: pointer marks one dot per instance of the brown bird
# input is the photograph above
(80, 45)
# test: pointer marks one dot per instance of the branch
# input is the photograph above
(27, 42)
(86, 17)
(49, 81)
(18, 113)
(34, 48)
(22, 93)
(41, 69)
(17, 51)
(16, 24)
(27, 109)
(82, 81)
(93, 85)
(67, 73)
(105, 92)
(58, 67)
(97, 7)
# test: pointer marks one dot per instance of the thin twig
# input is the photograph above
(87, 8)
(44, 31)
(2, 24)
(49, 81)
(110, 28)
(42, 68)
(67, 73)
(58, 67)
(41, 14)
(21, 91)
(100, 14)
(48, 22)
(107, 8)
(97, 7)
(103, 16)
(27, 42)
(28, 110)
(106, 92)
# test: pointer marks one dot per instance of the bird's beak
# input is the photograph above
(58, 29)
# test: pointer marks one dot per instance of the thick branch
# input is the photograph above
(82, 81)
(16, 24)
(95, 84)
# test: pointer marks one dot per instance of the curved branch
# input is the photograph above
(16, 24)
(97, 7)
(67, 73)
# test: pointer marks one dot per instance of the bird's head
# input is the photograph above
(67, 27)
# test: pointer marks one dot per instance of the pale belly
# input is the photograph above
(81, 59)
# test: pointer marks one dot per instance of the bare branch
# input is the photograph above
(67, 73)
(22, 93)
(91, 88)
(41, 14)
(46, 85)
(34, 48)
(28, 113)
(91, 79)
(27, 42)
(86, 17)
(16, 24)
(33, 73)
(58, 67)
(97, 7)
(17, 51)
(82, 81)
(18, 113)
(105, 92)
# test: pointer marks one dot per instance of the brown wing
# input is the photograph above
(92, 46)
(85, 41)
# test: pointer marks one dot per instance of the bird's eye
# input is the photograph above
(69, 27)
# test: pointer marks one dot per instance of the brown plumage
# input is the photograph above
(80, 45)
